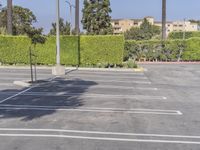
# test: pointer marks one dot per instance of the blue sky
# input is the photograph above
(177, 9)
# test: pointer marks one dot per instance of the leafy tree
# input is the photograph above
(145, 32)
(22, 19)
(35, 35)
(64, 28)
(96, 17)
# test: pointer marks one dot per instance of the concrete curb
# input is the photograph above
(140, 69)
(22, 83)
(74, 68)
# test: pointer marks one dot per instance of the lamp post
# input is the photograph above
(57, 32)
(70, 7)
(58, 70)
(77, 18)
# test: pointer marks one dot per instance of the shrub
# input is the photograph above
(192, 52)
(101, 49)
(154, 50)
(93, 50)
(179, 35)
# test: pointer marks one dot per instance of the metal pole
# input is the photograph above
(30, 55)
(70, 19)
(77, 18)
(57, 32)
(164, 36)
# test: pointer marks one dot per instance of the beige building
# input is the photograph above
(122, 25)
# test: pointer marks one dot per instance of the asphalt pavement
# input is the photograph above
(102, 110)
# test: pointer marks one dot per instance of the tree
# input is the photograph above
(64, 28)
(145, 32)
(96, 17)
(164, 36)
(22, 19)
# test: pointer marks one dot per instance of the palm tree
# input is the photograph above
(164, 36)
(9, 17)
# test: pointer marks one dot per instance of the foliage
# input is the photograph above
(96, 17)
(130, 64)
(2, 31)
(179, 35)
(145, 32)
(22, 19)
(155, 50)
(192, 51)
(35, 35)
(93, 50)
(64, 28)
(101, 49)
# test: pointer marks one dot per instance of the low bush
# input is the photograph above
(93, 50)
(101, 49)
(180, 35)
(156, 50)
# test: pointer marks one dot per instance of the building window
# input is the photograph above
(116, 23)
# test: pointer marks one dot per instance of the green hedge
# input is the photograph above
(15, 50)
(170, 50)
(101, 49)
(93, 50)
(192, 51)
(179, 35)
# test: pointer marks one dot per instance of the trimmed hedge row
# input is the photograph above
(179, 35)
(170, 50)
(101, 49)
(93, 50)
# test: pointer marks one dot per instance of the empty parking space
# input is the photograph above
(112, 108)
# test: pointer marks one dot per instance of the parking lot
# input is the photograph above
(102, 110)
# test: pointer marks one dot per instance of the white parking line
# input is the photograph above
(64, 94)
(106, 81)
(15, 95)
(103, 87)
(22, 92)
(100, 133)
(101, 138)
(91, 109)
(107, 76)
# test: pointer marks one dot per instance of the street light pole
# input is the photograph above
(58, 70)
(70, 7)
(57, 32)
(77, 18)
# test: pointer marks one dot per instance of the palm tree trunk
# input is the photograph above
(164, 36)
(9, 17)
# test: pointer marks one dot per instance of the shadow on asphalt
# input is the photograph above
(54, 94)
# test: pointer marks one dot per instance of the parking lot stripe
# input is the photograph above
(104, 87)
(101, 133)
(64, 94)
(15, 95)
(91, 109)
(24, 91)
(108, 76)
(103, 81)
(100, 138)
